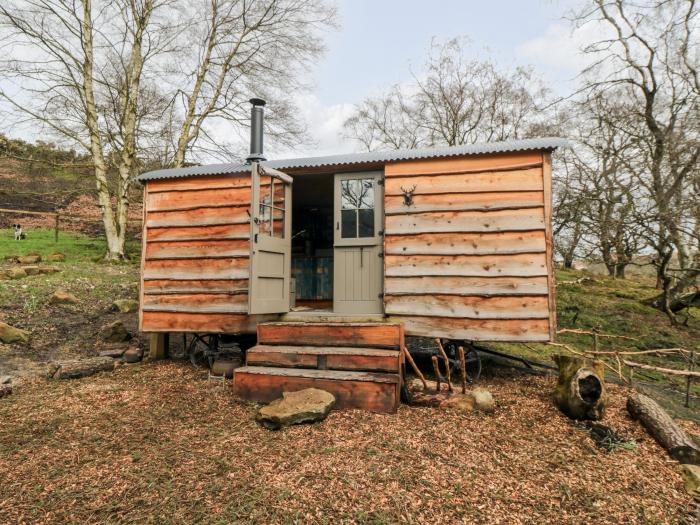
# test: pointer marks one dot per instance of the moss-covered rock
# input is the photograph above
(10, 334)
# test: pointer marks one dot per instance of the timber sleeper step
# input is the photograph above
(325, 358)
(376, 392)
(372, 335)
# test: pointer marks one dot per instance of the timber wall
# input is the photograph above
(471, 257)
(195, 260)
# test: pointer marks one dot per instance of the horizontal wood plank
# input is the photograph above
(465, 244)
(473, 307)
(198, 217)
(492, 181)
(199, 249)
(466, 221)
(332, 358)
(331, 334)
(196, 322)
(467, 163)
(178, 200)
(209, 182)
(513, 330)
(485, 286)
(227, 231)
(395, 204)
(263, 384)
(519, 265)
(188, 269)
(196, 303)
(223, 286)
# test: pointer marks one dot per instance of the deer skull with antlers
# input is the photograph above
(408, 195)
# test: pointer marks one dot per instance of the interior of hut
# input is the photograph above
(312, 242)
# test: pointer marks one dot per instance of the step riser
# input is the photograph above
(364, 395)
(375, 336)
(325, 362)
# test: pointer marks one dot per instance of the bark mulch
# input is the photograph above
(160, 444)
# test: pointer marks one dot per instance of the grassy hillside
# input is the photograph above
(590, 302)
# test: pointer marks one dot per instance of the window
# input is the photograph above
(272, 207)
(357, 208)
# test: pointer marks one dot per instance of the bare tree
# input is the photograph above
(651, 57)
(453, 101)
(132, 80)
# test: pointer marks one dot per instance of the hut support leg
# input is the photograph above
(159, 345)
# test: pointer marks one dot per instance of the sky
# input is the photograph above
(379, 42)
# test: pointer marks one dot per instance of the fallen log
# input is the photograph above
(663, 429)
(580, 391)
(80, 367)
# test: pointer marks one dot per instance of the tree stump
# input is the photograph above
(580, 392)
(663, 429)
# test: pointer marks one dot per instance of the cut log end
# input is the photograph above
(580, 392)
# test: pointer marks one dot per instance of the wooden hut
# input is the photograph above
(333, 259)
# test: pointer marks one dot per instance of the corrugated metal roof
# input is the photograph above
(374, 157)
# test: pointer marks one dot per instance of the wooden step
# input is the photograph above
(372, 335)
(325, 358)
(374, 392)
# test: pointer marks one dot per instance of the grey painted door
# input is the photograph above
(358, 266)
(270, 241)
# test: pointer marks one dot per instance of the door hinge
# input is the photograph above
(381, 254)
(380, 295)
(381, 181)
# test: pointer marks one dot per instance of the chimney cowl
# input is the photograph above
(256, 130)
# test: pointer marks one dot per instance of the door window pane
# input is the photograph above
(365, 199)
(271, 215)
(348, 220)
(366, 223)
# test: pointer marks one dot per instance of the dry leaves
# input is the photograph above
(160, 444)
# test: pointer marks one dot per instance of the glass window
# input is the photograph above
(357, 208)
(272, 212)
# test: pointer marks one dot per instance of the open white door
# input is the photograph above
(270, 241)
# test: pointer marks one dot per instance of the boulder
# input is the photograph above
(125, 306)
(10, 334)
(114, 332)
(16, 273)
(133, 355)
(483, 400)
(63, 297)
(304, 406)
(30, 258)
(691, 477)
(56, 257)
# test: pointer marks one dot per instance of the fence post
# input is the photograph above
(55, 230)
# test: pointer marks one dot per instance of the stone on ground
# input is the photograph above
(5, 380)
(125, 306)
(463, 402)
(10, 334)
(114, 352)
(114, 332)
(691, 477)
(133, 354)
(56, 257)
(63, 297)
(16, 273)
(304, 406)
(483, 400)
(48, 269)
(32, 270)
(30, 258)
